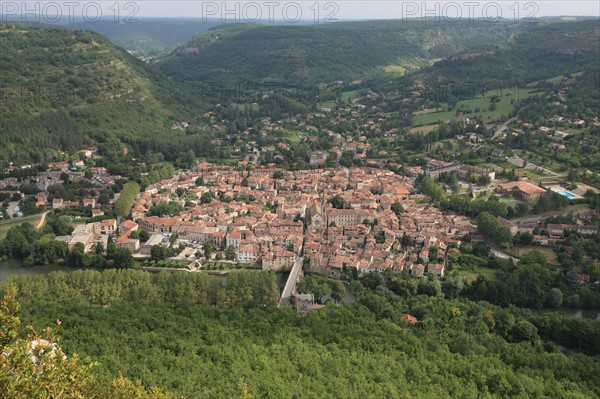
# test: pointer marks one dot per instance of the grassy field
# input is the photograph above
(6, 225)
(432, 118)
(395, 70)
(81, 221)
(549, 254)
(477, 106)
(328, 104)
(254, 107)
(489, 274)
(556, 79)
(408, 64)
(348, 95)
(541, 216)
(227, 266)
(546, 162)
(293, 136)
(533, 174)
(423, 129)
(559, 78)
(509, 201)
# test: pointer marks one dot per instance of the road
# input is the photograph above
(501, 129)
(532, 166)
(291, 281)
(497, 251)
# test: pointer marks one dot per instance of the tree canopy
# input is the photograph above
(126, 199)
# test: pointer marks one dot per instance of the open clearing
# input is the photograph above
(478, 106)
(549, 254)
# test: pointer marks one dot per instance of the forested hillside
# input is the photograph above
(316, 53)
(530, 55)
(180, 332)
(63, 89)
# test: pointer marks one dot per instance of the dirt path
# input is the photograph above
(501, 129)
(42, 220)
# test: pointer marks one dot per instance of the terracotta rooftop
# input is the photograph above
(523, 186)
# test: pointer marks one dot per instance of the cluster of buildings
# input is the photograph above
(372, 238)
(276, 222)
(278, 219)
(92, 234)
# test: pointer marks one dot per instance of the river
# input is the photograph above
(577, 313)
(12, 267)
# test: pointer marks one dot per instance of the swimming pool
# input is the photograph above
(565, 194)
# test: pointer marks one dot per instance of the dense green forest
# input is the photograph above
(160, 329)
(251, 54)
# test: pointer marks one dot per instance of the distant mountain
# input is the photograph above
(317, 53)
(148, 37)
(545, 51)
(64, 89)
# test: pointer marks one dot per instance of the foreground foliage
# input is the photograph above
(458, 348)
(33, 365)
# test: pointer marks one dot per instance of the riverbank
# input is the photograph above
(14, 267)
(576, 313)
(157, 269)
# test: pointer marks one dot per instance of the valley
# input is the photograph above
(434, 189)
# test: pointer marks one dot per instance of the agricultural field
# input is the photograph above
(479, 106)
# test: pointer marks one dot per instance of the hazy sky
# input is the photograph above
(291, 11)
(368, 9)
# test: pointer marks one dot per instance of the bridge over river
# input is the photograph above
(292, 280)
